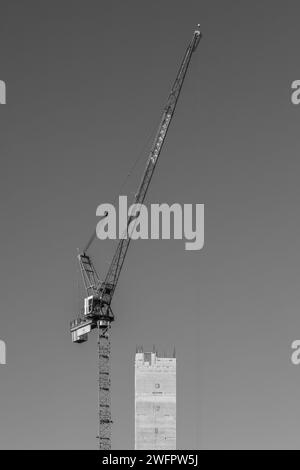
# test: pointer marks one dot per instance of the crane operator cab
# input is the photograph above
(98, 308)
(90, 305)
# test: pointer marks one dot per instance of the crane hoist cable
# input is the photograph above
(90, 277)
(94, 287)
(139, 157)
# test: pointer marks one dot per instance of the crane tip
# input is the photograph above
(198, 30)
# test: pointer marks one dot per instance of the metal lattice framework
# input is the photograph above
(105, 421)
(89, 274)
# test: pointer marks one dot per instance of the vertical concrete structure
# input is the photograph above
(155, 402)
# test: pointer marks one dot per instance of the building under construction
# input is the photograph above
(155, 401)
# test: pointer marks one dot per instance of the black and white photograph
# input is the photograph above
(150, 227)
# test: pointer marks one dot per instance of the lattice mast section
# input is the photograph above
(104, 382)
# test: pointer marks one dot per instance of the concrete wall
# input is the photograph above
(155, 402)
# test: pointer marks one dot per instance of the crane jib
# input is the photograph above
(90, 276)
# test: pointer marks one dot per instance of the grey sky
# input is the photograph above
(86, 82)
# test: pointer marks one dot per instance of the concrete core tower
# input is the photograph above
(155, 401)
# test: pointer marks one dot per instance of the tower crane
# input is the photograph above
(97, 312)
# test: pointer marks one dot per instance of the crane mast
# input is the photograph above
(97, 312)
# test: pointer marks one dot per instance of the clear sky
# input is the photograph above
(86, 83)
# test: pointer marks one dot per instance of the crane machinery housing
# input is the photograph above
(97, 312)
